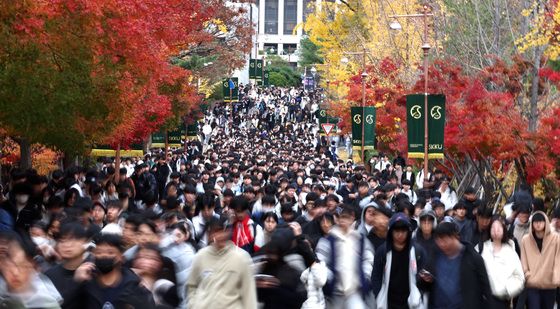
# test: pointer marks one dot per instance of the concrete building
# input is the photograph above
(278, 28)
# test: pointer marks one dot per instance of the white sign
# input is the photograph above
(327, 127)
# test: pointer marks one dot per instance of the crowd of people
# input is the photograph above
(260, 212)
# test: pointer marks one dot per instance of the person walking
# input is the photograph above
(505, 272)
(540, 253)
(221, 275)
(396, 267)
(456, 278)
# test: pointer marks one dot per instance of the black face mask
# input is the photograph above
(105, 265)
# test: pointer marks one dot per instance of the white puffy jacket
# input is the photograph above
(504, 270)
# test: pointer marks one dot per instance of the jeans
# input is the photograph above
(352, 301)
(541, 299)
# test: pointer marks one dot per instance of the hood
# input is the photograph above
(398, 218)
(366, 203)
(429, 213)
(547, 229)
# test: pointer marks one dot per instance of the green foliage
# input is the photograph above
(48, 94)
(309, 53)
(278, 79)
(217, 93)
(281, 73)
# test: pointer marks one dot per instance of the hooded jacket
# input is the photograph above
(362, 228)
(428, 245)
(334, 250)
(129, 292)
(541, 268)
(381, 275)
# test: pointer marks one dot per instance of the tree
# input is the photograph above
(309, 53)
(99, 71)
(281, 73)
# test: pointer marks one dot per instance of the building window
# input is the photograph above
(271, 16)
(271, 49)
(290, 16)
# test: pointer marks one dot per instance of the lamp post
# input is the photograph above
(364, 75)
(264, 62)
(395, 25)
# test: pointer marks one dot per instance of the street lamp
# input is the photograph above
(364, 76)
(395, 25)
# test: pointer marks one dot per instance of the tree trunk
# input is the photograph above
(117, 163)
(25, 154)
(534, 99)
(68, 160)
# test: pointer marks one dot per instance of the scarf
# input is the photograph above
(242, 234)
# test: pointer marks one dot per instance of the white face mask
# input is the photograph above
(39, 241)
(22, 199)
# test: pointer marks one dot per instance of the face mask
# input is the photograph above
(105, 265)
(22, 199)
(39, 241)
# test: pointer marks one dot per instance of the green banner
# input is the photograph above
(323, 117)
(266, 76)
(415, 125)
(363, 116)
(230, 95)
(175, 137)
(158, 139)
(192, 131)
(256, 69)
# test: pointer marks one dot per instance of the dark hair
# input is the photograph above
(54, 202)
(269, 215)
(538, 204)
(347, 210)
(150, 225)
(73, 230)
(239, 204)
(217, 224)
(484, 211)
(135, 220)
(268, 199)
(114, 204)
(505, 234)
(150, 247)
(71, 192)
(446, 229)
(470, 190)
(556, 213)
(327, 216)
(110, 240)
(207, 200)
(405, 205)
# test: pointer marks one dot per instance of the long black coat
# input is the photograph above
(474, 285)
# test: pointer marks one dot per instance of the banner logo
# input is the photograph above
(369, 119)
(436, 112)
(415, 112)
(357, 119)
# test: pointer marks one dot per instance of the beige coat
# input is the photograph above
(541, 268)
(221, 279)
